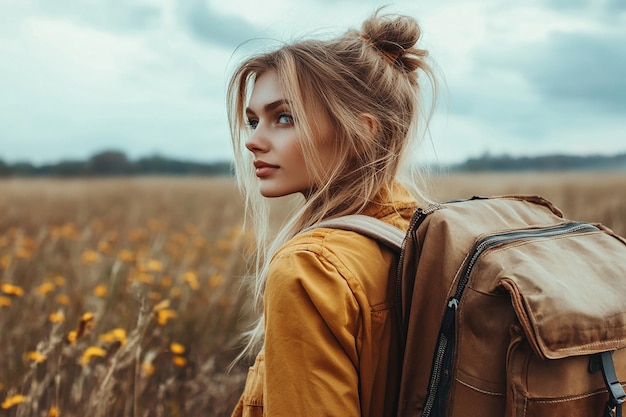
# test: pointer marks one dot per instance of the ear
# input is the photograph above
(370, 122)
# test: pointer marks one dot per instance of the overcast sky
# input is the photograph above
(522, 77)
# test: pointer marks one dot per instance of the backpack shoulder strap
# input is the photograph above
(371, 227)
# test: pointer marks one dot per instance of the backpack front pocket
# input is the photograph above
(553, 387)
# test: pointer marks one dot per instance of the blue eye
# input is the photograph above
(285, 119)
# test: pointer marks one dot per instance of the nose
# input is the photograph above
(257, 142)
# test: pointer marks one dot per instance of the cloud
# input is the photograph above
(577, 66)
(605, 10)
(549, 72)
(209, 25)
(570, 67)
(109, 15)
(567, 4)
(615, 6)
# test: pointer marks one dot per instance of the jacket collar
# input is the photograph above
(390, 200)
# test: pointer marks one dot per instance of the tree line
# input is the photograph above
(115, 163)
(504, 163)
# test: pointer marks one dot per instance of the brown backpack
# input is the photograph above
(507, 309)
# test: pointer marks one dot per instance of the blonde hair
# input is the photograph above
(366, 84)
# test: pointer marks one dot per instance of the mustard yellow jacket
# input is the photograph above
(330, 333)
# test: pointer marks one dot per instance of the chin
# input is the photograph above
(272, 192)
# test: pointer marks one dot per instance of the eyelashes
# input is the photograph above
(281, 119)
(251, 123)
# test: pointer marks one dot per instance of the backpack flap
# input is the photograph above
(570, 299)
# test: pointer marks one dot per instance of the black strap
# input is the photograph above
(604, 361)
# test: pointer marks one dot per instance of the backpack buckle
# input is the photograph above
(604, 362)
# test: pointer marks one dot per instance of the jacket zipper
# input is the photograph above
(442, 360)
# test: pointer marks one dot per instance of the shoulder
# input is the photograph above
(331, 247)
(325, 242)
(336, 260)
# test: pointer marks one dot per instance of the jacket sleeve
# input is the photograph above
(311, 319)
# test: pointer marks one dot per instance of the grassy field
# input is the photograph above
(123, 297)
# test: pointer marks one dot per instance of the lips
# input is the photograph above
(263, 169)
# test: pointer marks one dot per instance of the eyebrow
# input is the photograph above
(270, 106)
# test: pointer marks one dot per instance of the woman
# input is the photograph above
(330, 120)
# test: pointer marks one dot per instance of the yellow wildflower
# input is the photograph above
(90, 256)
(100, 291)
(136, 235)
(85, 323)
(90, 352)
(28, 244)
(5, 301)
(162, 305)
(14, 400)
(59, 281)
(147, 368)
(68, 231)
(36, 356)
(191, 278)
(115, 335)
(225, 245)
(175, 292)
(163, 316)
(57, 317)
(63, 299)
(24, 253)
(154, 266)
(53, 412)
(166, 282)
(126, 256)
(5, 261)
(104, 246)
(177, 348)
(11, 289)
(179, 361)
(216, 280)
(87, 317)
(72, 336)
(45, 288)
(145, 278)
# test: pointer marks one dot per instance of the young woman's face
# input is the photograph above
(278, 159)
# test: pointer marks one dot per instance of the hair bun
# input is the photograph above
(395, 37)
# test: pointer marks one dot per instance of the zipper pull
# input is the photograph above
(449, 316)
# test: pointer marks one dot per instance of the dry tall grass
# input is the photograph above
(119, 297)
(123, 297)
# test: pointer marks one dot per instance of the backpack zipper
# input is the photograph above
(442, 360)
(417, 219)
